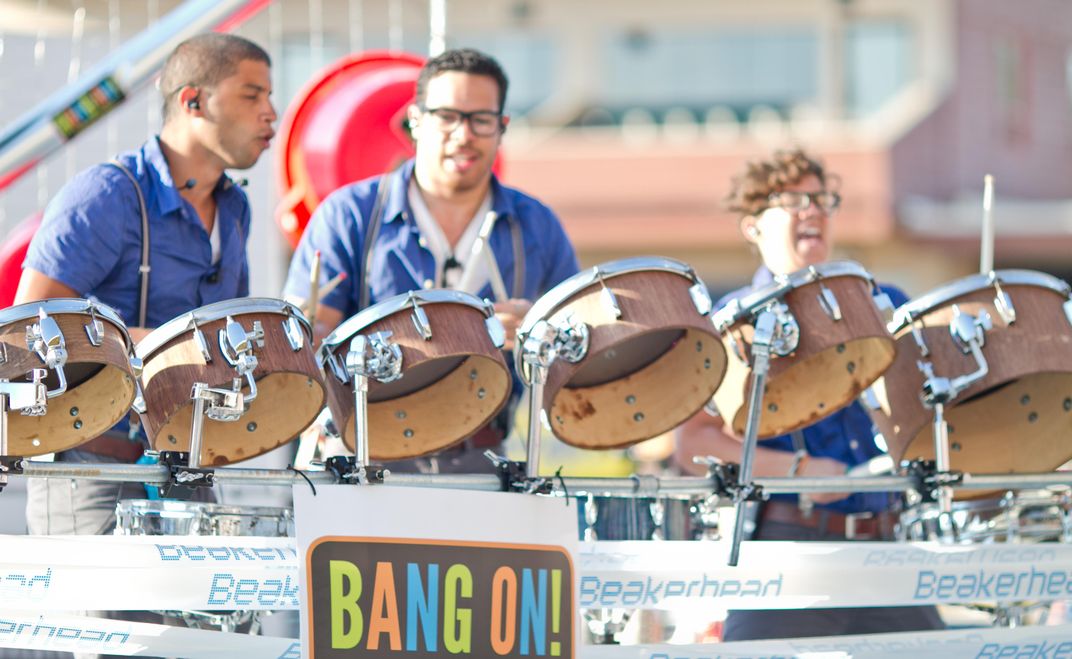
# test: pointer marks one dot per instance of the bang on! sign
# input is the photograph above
(420, 573)
(427, 599)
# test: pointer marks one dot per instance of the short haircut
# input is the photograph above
(203, 61)
(762, 178)
(463, 60)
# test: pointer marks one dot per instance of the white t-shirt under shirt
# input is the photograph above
(436, 242)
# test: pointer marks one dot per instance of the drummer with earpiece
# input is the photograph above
(441, 220)
(786, 204)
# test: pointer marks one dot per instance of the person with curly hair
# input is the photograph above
(785, 204)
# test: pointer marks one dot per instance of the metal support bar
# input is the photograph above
(356, 367)
(944, 494)
(761, 343)
(532, 452)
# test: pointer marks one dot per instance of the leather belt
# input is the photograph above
(851, 526)
(119, 448)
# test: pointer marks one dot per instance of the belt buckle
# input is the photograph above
(850, 523)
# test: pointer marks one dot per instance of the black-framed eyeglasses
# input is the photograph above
(797, 202)
(483, 123)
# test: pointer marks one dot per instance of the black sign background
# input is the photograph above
(482, 560)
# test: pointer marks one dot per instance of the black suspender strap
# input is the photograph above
(373, 231)
(519, 257)
(144, 268)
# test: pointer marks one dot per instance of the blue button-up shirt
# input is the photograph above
(90, 239)
(847, 435)
(399, 263)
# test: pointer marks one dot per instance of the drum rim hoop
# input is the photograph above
(65, 305)
(744, 307)
(396, 303)
(910, 311)
(559, 294)
(209, 313)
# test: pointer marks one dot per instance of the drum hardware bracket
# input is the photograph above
(94, 328)
(785, 334)
(293, 331)
(607, 298)
(46, 339)
(884, 304)
(1002, 301)
(137, 366)
(928, 480)
(701, 297)
(347, 470)
(184, 479)
(420, 318)
(513, 476)
(828, 302)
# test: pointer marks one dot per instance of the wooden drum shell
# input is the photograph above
(833, 363)
(101, 384)
(290, 391)
(1017, 418)
(470, 383)
(665, 388)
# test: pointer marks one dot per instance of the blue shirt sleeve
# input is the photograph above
(335, 230)
(77, 243)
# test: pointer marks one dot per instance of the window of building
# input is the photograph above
(877, 64)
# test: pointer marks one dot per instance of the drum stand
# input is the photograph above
(969, 334)
(29, 398)
(539, 349)
(773, 330)
(218, 404)
(376, 357)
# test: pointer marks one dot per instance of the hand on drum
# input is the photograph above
(510, 313)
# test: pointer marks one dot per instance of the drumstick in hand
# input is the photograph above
(330, 286)
(314, 286)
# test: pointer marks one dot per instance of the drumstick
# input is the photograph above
(330, 286)
(314, 285)
(481, 249)
(986, 252)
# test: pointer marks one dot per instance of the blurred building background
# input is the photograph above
(629, 117)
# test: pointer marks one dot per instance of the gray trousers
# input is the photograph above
(800, 623)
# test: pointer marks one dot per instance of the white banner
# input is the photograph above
(69, 633)
(983, 643)
(64, 573)
(793, 575)
(116, 573)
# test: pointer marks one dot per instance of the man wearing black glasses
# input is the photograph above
(785, 205)
(415, 228)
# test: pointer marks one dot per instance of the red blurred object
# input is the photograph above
(346, 125)
(12, 254)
